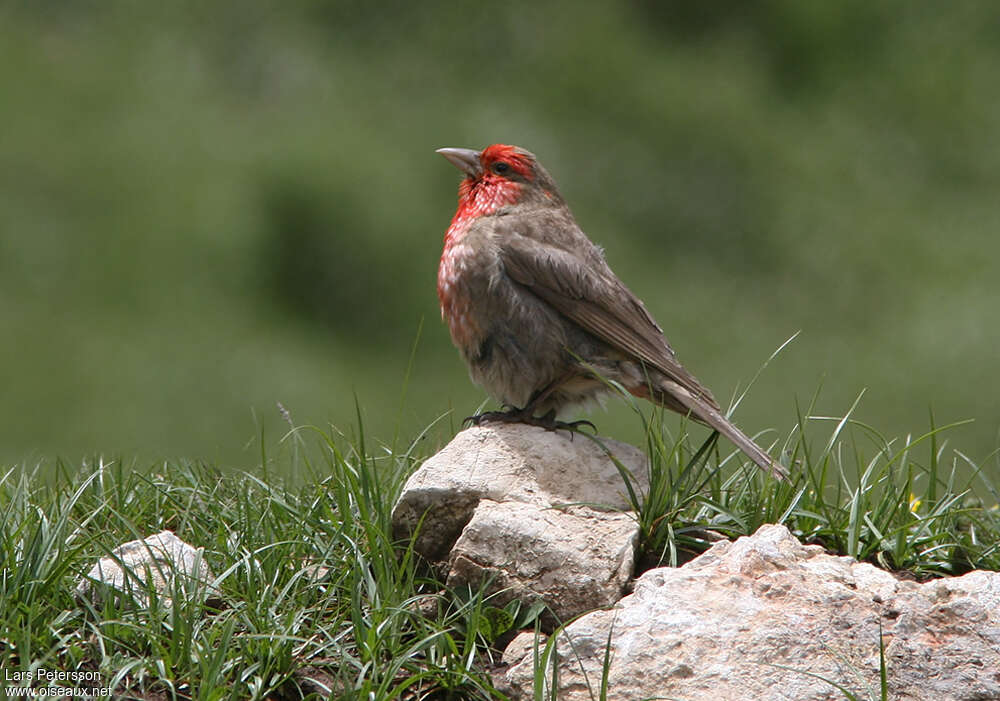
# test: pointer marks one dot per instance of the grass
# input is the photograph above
(904, 505)
(319, 601)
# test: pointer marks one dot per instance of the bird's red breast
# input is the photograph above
(478, 196)
(454, 303)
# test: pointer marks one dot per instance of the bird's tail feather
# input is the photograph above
(703, 411)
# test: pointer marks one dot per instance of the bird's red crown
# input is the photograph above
(504, 156)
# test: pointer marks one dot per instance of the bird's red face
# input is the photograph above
(501, 162)
(495, 177)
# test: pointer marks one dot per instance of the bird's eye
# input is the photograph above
(500, 167)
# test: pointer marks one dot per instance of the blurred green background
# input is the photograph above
(209, 208)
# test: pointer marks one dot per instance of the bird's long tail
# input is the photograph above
(709, 414)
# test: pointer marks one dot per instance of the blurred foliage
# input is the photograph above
(207, 208)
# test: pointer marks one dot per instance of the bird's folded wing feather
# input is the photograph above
(587, 292)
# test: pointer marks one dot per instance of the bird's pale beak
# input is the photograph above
(465, 159)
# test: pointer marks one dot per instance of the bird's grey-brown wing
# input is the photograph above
(577, 282)
(581, 286)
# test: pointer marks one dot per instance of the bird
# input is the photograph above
(536, 312)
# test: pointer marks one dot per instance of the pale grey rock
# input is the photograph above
(523, 646)
(575, 559)
(510, 463)
(536, 512)
(768, 618)
(162, 562)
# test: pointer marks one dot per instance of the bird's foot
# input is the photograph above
(513, 415)
(575, 426)
(509, 416)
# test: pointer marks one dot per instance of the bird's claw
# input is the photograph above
(522, 416)
(571, 427)
(575, 426)
(511, 415)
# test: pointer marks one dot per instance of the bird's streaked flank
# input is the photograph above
(537, 313)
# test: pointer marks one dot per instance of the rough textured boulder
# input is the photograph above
(766, 617)
(162, 562)
(538, 513)
(575, 560)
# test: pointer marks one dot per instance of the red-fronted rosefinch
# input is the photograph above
(536, 312)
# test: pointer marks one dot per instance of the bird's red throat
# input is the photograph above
(477, 197)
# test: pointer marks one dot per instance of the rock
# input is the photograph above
(534, 510)
(162, 562)
(575, 560)
(523, 646)
(315, 572)
(766, 617)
